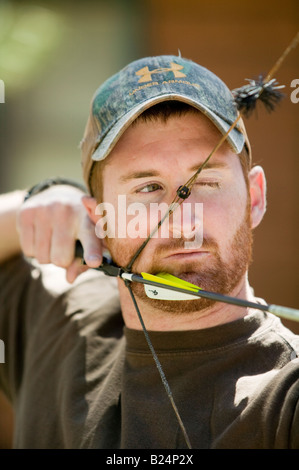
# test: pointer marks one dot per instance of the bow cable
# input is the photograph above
(160, 369)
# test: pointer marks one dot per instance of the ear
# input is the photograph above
(257, 186)
(90, 205)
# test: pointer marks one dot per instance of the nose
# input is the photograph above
(186, 223)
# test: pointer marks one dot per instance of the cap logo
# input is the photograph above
(146, 74)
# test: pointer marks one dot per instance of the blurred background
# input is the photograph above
(54, 54)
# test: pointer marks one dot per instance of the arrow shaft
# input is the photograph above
(285, 312)
(199, 293)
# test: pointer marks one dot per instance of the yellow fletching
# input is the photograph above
(169, 280)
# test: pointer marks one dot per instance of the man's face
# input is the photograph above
(149, 163)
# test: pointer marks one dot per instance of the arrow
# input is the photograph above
(183, 290)
(169, 287)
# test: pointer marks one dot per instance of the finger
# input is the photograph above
(26, 236)
(92, 245)
(42, 243)
(42, 235)
(74, 270)
(25, 228)
(92, 249)
(65, 221)
(62, 247)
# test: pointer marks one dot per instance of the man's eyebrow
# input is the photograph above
(210, 165)
(150, 173)
(138, 174)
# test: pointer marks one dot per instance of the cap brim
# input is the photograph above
(235, 138)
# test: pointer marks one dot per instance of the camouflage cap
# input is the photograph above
(146, 82)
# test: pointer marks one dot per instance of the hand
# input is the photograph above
(49, 224)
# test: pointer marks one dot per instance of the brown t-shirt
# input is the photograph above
(78, 378)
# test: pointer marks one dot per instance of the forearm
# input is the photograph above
(9, 237)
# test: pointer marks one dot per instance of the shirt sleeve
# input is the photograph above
(283, 403)
(294, 405)
(38, 307)
(22, 295)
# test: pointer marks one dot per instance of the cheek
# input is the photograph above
(223, 215)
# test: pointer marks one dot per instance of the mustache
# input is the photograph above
(178, 244)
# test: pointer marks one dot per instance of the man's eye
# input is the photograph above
(149, 188)
(211, 184)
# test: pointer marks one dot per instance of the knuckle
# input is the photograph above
(61, 261)
(42, 259)
(26, 216)
(27, 250)
(62, 211)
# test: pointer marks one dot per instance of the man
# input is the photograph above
(80, 373)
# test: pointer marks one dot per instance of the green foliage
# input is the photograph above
(29, 35)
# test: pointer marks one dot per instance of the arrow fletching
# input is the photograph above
(160, 293)
(247, 96)
(266, 90)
